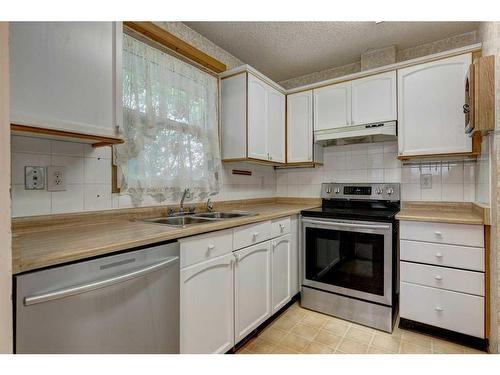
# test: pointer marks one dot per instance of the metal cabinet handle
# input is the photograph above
(346, 225)
(83, 288)
(211, 247)
(438, 233)
(439, 309)
(255, 234)
(466, 108)
(439, 255)
(439, 278)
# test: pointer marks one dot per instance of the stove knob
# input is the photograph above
(328, 190)
(337, 190)
(390, 191)
(379, 191)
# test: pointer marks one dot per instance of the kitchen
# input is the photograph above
(216, 200)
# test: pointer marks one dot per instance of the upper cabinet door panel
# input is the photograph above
(300, 123)
(257, 118)
(63, 75)
(276, 125)
(430, 107)
(374, 99)
(332, 106)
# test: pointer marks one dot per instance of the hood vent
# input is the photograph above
(377, 132)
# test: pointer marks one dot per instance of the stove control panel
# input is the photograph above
(333, 190)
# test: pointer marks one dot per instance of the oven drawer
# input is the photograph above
(251, 234)
(443, 278)
(205, 246)
(456, 234)
(471, 258)
(457, 312)
(279, 227)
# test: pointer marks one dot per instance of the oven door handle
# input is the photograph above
(347, 225)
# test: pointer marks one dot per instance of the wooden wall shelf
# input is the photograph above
(94, 140)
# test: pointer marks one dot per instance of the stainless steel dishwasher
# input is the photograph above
(124, 303)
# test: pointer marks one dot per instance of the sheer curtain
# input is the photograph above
(170, 126)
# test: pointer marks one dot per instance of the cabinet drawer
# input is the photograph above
(455, 234)
(280, 227)
(443, 278)
(457, 312)
(470, 258)
(251, 234)
(206, 246)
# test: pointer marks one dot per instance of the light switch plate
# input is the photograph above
(34, 178)
(426, 181)
(56, 178)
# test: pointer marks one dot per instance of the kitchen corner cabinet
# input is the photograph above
(281, 254)
(252, 288)
(300, 141)
(430, 108)
(207, 319)
(252, 120)
(66, 76)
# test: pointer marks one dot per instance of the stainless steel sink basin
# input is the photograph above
(178, 221)
(224, 215)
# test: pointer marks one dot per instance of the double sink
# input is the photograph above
(182, 221)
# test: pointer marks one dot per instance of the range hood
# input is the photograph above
(377, 132)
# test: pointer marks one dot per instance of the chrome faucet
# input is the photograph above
(210, 205)
(181, 205)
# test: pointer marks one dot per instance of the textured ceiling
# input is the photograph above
(283, 50)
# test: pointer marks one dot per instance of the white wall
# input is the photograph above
(88, 179)
(376, 162)
(5, 234)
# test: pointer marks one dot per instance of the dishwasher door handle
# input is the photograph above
(83, 288)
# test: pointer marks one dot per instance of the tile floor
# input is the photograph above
(299, 330)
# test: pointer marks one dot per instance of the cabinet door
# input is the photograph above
(294, 256)
(276, 125)
(332, 106)
(66, 75)
(252, 289)
(207, 315)
(257, 118)
(374, 99)
(300, 127)
(430, 107)
(281, 252)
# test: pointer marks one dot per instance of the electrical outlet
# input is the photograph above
(56, 178)
(34, 178)
(426, 181)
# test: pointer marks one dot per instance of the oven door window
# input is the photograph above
(352, 260)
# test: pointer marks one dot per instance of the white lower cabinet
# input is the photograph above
(207, 315)
(295, 256)
(252, 288)
(281, 253)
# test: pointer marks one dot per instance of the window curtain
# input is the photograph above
(170, 126)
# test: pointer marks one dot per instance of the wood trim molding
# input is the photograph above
(95, 140)
(162, 36)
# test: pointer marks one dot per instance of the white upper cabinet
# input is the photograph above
(66, 75)
(332, 106)
(276, 125)
(374, 99)
(300, 127)
(257, 118)
(430, 107)
(253, 119)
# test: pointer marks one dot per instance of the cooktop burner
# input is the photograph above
(371, 202)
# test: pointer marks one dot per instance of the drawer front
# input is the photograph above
(206, 246)
(251, 234)
(279, 227)
(443, 278)
(442, 308)
(469, 258)
(455, 234)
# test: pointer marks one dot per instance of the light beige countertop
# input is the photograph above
(445, 212)
(54, 239)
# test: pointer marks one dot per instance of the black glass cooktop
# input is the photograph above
(365, 210)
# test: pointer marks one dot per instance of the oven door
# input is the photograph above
(352, 258)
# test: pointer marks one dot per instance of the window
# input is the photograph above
(170, 126)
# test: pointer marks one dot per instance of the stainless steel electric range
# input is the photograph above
(350, 254)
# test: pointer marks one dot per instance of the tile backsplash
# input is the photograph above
(377, 162)
(88, 179)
